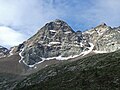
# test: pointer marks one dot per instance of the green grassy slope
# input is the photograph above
(97, 72)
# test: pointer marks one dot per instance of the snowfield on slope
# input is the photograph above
(57, 58)
(20, 54)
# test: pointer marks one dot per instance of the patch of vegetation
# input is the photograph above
(97, 72)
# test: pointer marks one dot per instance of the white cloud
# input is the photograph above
(10, 37)
(31, 14)
(28, 15)
(25, 16)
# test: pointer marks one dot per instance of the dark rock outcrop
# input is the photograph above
(3, 51)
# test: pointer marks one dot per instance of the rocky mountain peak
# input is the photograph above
(105, 38)
(99, 30)
(55, 40)
(57, 25)
(53, 31)
(102, 24)
(102, 28)
(59, 21)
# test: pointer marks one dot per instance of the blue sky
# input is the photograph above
(26, 16)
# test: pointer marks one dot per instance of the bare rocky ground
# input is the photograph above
(12, 72)
(11, 65)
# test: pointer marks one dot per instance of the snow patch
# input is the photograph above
(33, 64)
(88, 51)
(118, 31)
(41, 42)
(35, 67)
(81, 44)
(66, 58)
(58, 57)
(95, 51)
(52, 43)
(98, 32)
(10, 53)
(48, 45)
(43, 59)
(46, 65)
(2, 56)
(67, 32)
(53, 31)
(77, 45)
(20, 54)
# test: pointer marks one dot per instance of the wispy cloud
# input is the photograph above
(104, 11)
(10, 37)
(34, 13)
(25, 16)
(25, 13)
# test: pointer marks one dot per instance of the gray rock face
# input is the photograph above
(3, 51)
(104, 38)
(54, 39)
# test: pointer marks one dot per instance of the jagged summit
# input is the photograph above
(102, 24)
(58, 20)
(99, 30)
(105, 38)
(57, 25)
(53, 31)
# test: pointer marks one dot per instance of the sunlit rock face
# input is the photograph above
(104, 38)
